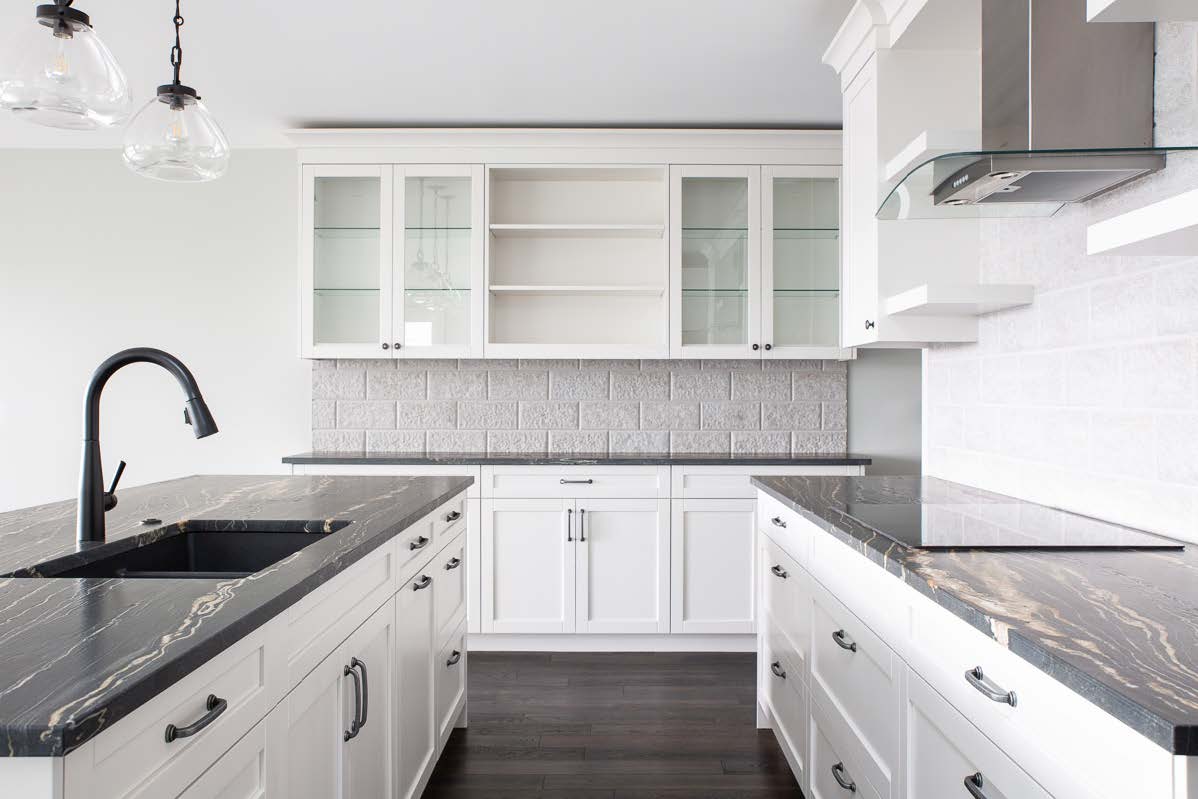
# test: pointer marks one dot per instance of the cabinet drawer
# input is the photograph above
(855, 674)
(1068, 745)
(834, 772)
(416, 542)
(245, 771)
(449, 678)
(449, 518)
(785, 694)
(783, 593)
(590, 482)
(787, 529)
(449, 588)
(945, 752)
(134, 758)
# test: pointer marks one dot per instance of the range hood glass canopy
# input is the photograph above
(985, 184)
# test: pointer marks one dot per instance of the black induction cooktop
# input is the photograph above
(997, 525)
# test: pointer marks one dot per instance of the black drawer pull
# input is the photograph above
(780, 572)
(842, 778)
(454, 659)
(586, 482)
(424, 582)
(355, 724)
(453, 517)
(843, 642)
(777, 522)
(453, 564)
(973, 784)
(213, 704)
(419, 543)
(776, 668)
(988, 689)
(361, 664)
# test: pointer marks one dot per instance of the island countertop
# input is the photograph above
(78, 654)
(1118, 627)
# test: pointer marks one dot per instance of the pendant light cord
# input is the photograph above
(177, 50)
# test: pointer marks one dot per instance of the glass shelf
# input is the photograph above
(453, 290)
(345, 291)
(714, 233)
(340, 227)
(913, 197)
(417, 227)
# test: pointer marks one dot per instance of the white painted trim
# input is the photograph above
(570, 642)
(539, 138)
(32, 777)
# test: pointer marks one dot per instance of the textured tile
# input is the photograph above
(1177, 300)
(322, 363)
(1064, 318)
(518, 384)
(567, 441)
(1042, 378)
(487, 415)
(763, 385)
(732, 364)
(395, 441)
(791, 416)
(692, 442)
(640, 385)
(775, 443)
(965, 382)
(468, 385)
(1122, 309)
(701, 385)
(836, 366)
(792, 365)
(1175, 445)
(1092, 378)
(517, 441)
(609, 415)
(1000, 379)
(610, 364)
(638, 441)
(731, 416)
(488, 364)
(836, 416)
(339, 384)
(548, 415)
(670, 415)
(982, 428)
(825, 443)
(426, 415)
(457, 441)
(1124, 443)
(366, 414)
(324, 414)
(338, 440)
(377, 364)
(548, 363)
(675, 365)
(1158, 375)
(576, 384)
(425, 364)
(820, 386)
(397, 385)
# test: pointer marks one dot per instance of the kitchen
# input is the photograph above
(726, 434)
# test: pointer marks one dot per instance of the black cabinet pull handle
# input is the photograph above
(776, 668)
(424, 582)
(213, 704)
(769, 346)
(586, 482)
(869, 324)
(419, 543)
(569, 523)
(974, 784)
(453, 517)
(386, 346)
(756, 347)
(453, 564)
(780, 572)
(355, 725)
(777, 522)
(843, 642)
(842, 778)
(398, 345)
(361, 664)
(454, 659)
(988, 689)
(582, 525)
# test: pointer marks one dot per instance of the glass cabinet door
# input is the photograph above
(714, 241)
(438, 270)
(800, 260)
(346, 248)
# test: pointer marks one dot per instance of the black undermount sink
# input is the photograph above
(236, 550)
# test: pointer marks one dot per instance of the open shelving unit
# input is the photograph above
(933, 299)
(1167, 227)
(1141, 10)
(577, 259)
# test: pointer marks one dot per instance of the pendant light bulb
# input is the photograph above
(60, 74)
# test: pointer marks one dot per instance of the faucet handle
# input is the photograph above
(110, 494)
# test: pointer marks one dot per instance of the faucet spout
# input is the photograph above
(92, 499)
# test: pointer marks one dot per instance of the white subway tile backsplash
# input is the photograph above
(792, 415)
(568, 441)
(731, 416)
(640, 385)
(395, 441)
(1158, 375)
(518, 384)
(691, 442)
(773, 443)
(427, 415)
(1177, 299)
(338, 384)
(585, 384)
(1122, 310)
(396, 385)
(636, 441)
(522, 441)
(324, 414)
(701, 385)
(457, 441)
(487, 415)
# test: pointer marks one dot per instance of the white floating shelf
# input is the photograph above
(1141, 10)
(928, 145)
(958, 299)
(1168, 227)
(579, 231)
(576, 291)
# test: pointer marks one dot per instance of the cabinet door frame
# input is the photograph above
(660, 625)
(309, 348)
(678, 623)
(775, 352)
(473, 348)
(380, 696)
(752, 176)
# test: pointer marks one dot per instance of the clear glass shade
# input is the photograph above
(63, 81)
(176, 141)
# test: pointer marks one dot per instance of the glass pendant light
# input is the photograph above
(61, 75)
(173, 137)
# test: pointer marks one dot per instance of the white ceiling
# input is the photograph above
(264, 67)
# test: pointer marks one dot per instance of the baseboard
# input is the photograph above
(613, 643)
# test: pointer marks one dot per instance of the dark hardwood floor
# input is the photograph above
(612, 726)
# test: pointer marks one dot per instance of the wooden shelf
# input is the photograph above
(1168, 227)
(579, 231)
(574, 291)
(958, 300)
(929, 145)
(1141, 10)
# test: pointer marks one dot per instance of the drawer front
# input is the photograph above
(449, 679)
(1068, 745)
(947, 756)
(449, 588)
(244, 772)
(417, 542)
(711, 483)
(834, 774)
(786, 528)
(784, 592)
(319, 622)
(786, 695)
(548, 482)
(854, 673)
(449, 518)
(134, 758)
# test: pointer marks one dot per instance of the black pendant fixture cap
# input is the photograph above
(62, 18)
(177, 95)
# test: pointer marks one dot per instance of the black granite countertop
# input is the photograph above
(77, 655)
(1118, 627)
(571, 459)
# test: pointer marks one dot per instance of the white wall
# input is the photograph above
(885, 409)
(94, 259)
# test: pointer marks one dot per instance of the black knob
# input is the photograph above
(386, 346)
(398, 345)
(756, 346)
(769, 346)
(869, 324)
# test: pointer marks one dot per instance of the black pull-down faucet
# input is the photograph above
(94, 501)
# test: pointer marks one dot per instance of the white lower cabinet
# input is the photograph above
(527, 574)
(449, 678)
(832, 775)
(416, 752)
(247, 771)
(712, 570)
(622, 566)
